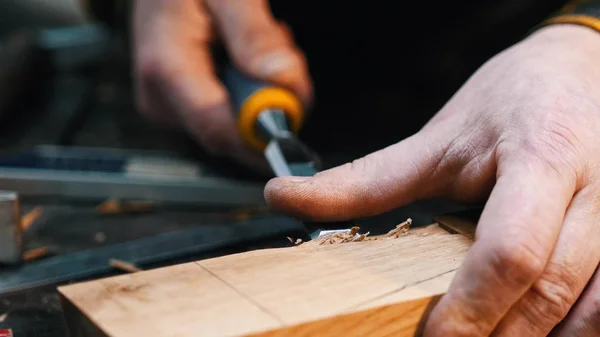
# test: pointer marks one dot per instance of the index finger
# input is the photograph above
(515, 238)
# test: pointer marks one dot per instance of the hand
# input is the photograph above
(525, 128)
(175, 80)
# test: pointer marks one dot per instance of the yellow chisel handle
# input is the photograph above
(250, 97)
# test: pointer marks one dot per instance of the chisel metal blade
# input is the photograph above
(288, 157)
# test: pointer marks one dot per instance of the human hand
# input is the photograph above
(523, 130)
(175, 79)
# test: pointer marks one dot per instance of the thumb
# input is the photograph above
(261, 46)
(397, 175)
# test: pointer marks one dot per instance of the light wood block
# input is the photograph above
(381, 287)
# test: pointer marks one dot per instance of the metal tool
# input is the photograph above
(10, 228)
(97, 174)
(268, 119)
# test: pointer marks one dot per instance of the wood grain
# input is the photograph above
(372, 288)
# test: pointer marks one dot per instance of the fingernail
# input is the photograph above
(275, 63)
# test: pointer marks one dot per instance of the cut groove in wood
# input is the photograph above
(457, 225)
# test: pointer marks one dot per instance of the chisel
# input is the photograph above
(268, 119)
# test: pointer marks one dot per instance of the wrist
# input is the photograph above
(573, 37)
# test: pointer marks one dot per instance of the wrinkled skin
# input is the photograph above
(523, 130)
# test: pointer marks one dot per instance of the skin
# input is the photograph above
(522, 133)
(175, 79)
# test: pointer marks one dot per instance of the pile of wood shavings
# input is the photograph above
(354, 236)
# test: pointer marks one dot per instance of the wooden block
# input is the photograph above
(456, 224)
(379, 287)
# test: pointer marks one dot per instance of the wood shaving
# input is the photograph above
(28, 219)
(124, 266)
(295, 242)
(400, 230)
(354, 235)
(335, 238)
(362, 237)
(36, 253)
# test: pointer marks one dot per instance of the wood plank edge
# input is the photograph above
(406, 319)
(78, 324)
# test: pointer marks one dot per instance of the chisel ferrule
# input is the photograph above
(269, 98)
(251, 97)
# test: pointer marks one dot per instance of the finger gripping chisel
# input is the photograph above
(268, 120)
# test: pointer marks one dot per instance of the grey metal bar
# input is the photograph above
(88, 185)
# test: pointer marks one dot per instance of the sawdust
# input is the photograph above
(34, 254)
(28, 219)
(124, 266)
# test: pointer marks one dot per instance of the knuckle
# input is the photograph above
(557, 138)
(554, 144)
(263, 32)
(151, 68)
(517, 260)
(552, 296)
(257, 41)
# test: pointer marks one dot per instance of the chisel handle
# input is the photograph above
(250, 97)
